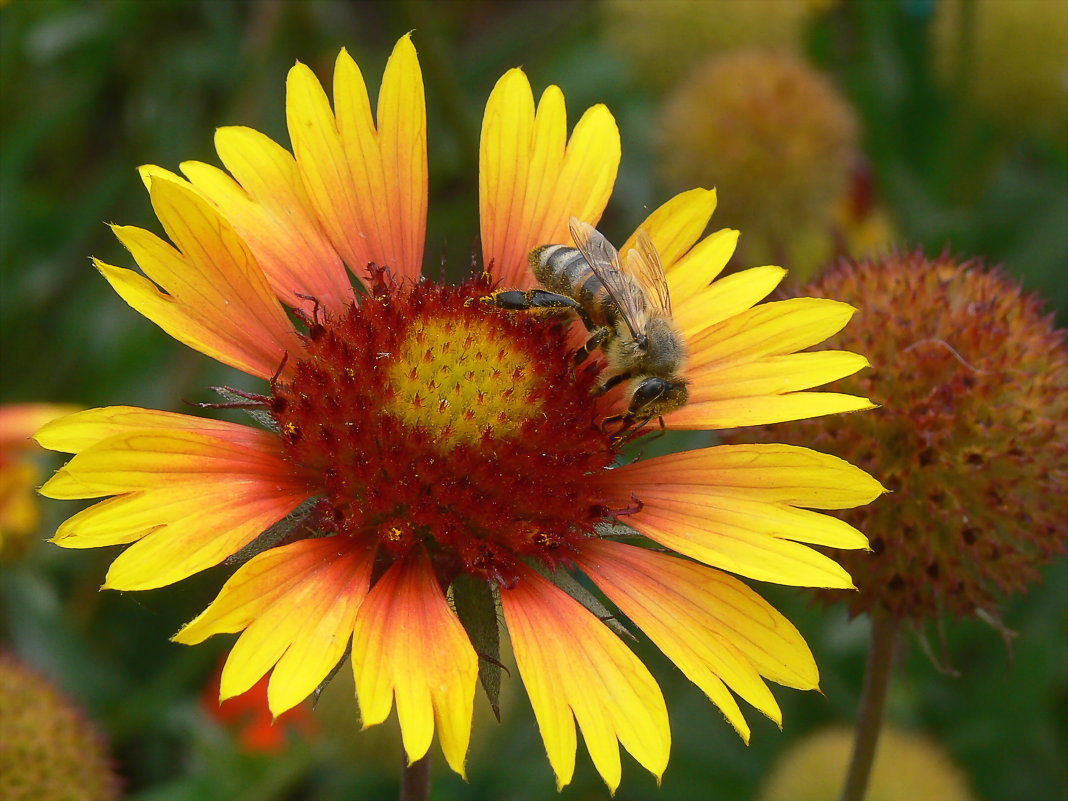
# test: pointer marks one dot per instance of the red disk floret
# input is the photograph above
(435, 421)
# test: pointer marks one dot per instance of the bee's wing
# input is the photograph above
(603, 259)
(643, 263)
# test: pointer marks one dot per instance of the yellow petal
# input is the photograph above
(727, 508)
(572, 664)
(324, 168)
(409, 644)
(773, 375)
(63, 486)
(507, 131)
(302, 631)
(530, 183)
(587, 175)
(742, 364)
(259, 584)
(725, 298)
(687, 506)
(770, 329)
(697, 269)
(191, 497)
(784, 474)
(269, 208)
(709, 624)
(150, 172)
(549, 142)
(737, 549)
(367, 185)
(738, 412)
(402, 137)
(128, 518)
(668, 590)
(19, 422)
(575, 174)
(216, 300)
(182, 546)
(677, 224)
(321, 626)
(184, 323)
(153, 459)
(78, 431)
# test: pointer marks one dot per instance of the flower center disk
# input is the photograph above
(462, 379)
(434, 421)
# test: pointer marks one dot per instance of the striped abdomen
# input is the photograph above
(563, 270)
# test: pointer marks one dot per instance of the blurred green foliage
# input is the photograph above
(90, 89)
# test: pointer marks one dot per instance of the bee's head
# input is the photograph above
(655, 396)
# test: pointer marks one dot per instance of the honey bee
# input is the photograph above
(626, 307)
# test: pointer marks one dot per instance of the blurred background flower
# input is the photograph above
(908, 767)
(661, 41)
(972, 379)
(50, 748)
(88, 89)
(724, 126)
(250, 718)
(21, 473)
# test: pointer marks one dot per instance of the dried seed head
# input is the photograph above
(970, 439)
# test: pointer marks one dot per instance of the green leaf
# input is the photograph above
(476, 606)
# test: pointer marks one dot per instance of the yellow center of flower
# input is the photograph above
(460, 379)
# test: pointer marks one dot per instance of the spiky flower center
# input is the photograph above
(432, 421)
(460, 378)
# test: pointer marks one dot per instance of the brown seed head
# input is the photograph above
(971, 437)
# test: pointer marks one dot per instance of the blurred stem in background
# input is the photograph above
(415, 779)
(869, 725)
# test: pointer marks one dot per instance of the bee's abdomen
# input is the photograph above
(563, 270)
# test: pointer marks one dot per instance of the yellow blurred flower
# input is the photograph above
(19, 473)
(908, 767)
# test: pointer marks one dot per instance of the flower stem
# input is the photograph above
(415, 779)
(872, 702)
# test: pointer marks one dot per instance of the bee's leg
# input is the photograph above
(520, 300)
(644, 423)
(611, 382)
(594, 342)
(621, 423)
(629, 426)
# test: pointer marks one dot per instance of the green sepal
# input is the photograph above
(476, 606)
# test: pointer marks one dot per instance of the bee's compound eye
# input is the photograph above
(655, 397)
(648, 391)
